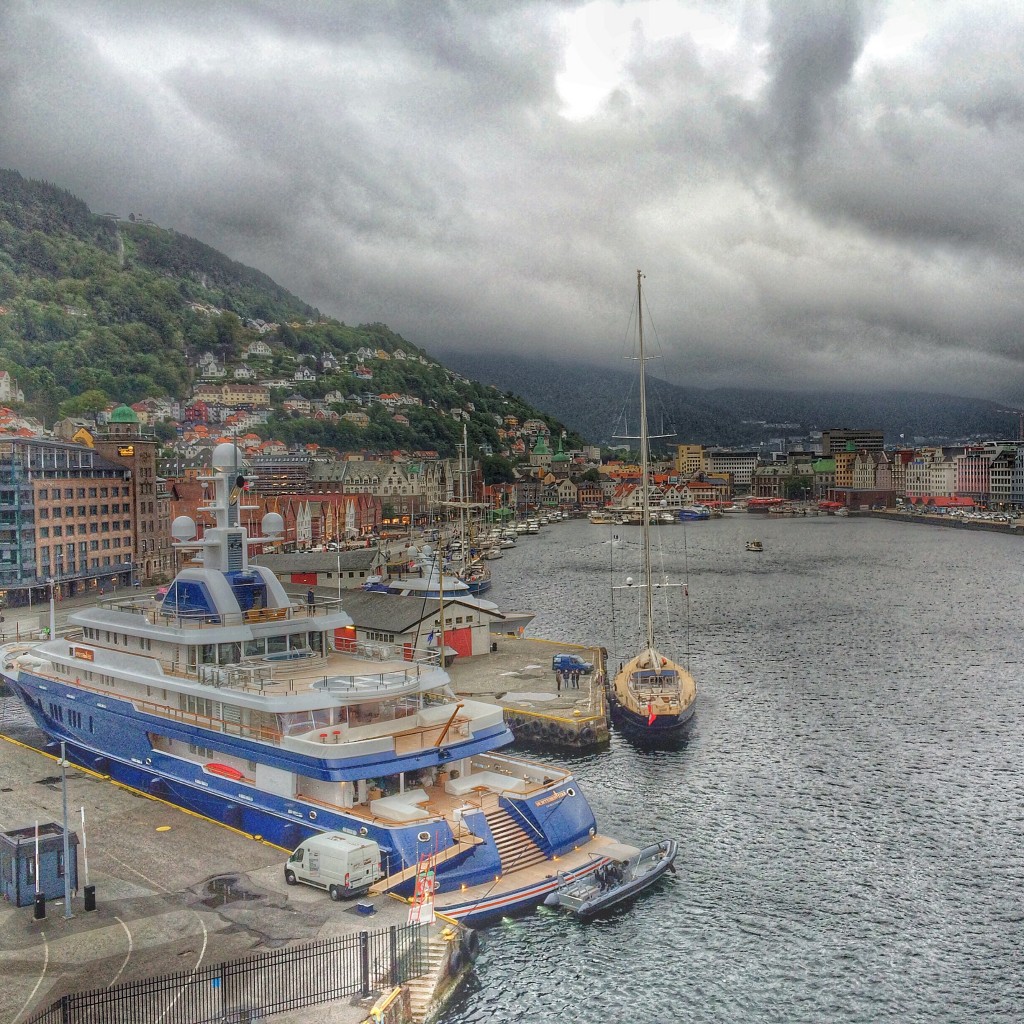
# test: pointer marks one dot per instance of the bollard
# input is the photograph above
(90, 897)
(39, 909)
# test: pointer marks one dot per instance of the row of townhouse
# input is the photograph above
(989, 474)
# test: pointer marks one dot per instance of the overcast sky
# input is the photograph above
(822, 193)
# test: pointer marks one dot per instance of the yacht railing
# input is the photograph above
(158, 613)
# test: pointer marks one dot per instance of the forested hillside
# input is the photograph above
(95, 310)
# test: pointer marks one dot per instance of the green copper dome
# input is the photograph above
(124, 414)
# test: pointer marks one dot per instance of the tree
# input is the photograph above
(88, 403)
(497, 470)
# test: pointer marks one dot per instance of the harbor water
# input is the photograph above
(849, 806)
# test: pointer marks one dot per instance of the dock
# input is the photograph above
(518, 676)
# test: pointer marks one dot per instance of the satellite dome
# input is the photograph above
(183, 528)
(227, 456)
(272, 524)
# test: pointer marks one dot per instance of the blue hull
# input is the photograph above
(109, 736)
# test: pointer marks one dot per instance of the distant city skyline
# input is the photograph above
(822, 194)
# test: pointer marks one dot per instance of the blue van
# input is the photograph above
(570, 663)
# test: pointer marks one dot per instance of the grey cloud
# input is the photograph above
(814, 45)
(808, 213)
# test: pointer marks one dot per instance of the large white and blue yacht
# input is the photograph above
(229, 698)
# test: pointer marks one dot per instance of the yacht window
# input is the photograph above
(207, 654)
(229, 654)
(277, 644)
(254, 648)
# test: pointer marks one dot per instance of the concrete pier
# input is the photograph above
(518, 676)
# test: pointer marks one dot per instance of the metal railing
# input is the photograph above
(251, 988)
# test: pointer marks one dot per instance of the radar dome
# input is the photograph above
(183, 528)
(272, 524)
(227, 456)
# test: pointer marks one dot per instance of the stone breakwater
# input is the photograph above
(1013, 529)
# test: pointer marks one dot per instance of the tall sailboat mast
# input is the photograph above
(645, 490)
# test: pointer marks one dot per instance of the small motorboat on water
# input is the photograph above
(615, 881)
(755, 545)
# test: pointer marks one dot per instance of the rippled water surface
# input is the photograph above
(850, 806)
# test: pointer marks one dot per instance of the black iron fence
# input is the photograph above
(242, 991)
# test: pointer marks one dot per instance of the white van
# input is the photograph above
(343, 864)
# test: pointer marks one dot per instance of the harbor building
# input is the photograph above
(689, 460)
(124, 441)
(66, 517)
(740, 465)
(838, 438)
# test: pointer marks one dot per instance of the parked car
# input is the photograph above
(570, 663)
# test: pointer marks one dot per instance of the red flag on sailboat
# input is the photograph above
(651, 716)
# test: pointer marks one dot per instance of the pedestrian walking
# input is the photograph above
(558, 681)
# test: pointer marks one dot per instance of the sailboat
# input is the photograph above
(652, 697)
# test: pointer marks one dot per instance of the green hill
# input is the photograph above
(95, 309)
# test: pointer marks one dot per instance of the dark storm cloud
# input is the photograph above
(822, 192)
(813, 46)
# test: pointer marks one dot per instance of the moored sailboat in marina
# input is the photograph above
(652, 697)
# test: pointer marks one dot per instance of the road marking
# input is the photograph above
(32, 994)
(202, 953)
(131, 944)
(156, 885)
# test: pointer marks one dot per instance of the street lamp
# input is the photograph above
(67, 844)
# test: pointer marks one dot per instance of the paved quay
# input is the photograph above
(518, 675)
(173, 892)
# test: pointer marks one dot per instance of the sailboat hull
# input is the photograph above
(664, 730)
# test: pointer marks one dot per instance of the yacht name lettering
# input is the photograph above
(84, 653)
(552, 798)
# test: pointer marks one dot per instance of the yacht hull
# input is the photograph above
(111, 737)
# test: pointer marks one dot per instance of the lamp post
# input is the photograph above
(67, 844)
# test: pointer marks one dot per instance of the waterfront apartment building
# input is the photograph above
(992, 473)
(932, 473)
(973, 474)
(740, 465)
(414, 487)
(838, 439)
(65, 516)
(871, 471)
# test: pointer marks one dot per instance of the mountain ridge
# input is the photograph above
(729, 416)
